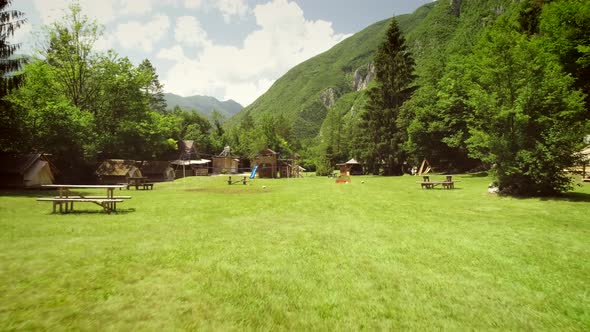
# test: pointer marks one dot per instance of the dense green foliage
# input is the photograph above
(82, 106)
(10, 20)
(498, 84)
(301, 255)
(380, 138)
(507, 103)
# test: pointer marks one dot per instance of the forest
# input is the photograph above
(508, 94)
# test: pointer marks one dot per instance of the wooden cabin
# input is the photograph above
(25, 170)
(225, 162)
(114, 171)
(157, 171)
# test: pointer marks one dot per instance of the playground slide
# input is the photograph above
(254, 172)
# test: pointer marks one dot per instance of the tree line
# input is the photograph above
(513, 98)
(515, 101)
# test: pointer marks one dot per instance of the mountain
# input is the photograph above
(306, 93)
(203, 104)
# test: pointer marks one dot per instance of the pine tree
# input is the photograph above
(382, 137)
(154, 89)
(10, 20)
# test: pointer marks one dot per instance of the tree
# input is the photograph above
(528, 119)
(382, 137)
(70, 53)
(10, 121)
(154, 89)
(10, 20)
(566, 26)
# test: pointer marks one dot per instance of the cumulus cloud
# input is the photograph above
(192, 4)
(283, 39)
(231, 8)
(188, 31)
(136, 34)
(50, 11)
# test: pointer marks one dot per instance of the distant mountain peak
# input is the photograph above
(203, 104)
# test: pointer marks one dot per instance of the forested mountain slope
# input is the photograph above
(203, 104)
(306, 93)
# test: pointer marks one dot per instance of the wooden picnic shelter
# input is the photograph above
(117, 171)
(157, 171)
(351, 167)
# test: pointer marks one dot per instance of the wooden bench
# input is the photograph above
(108, 205)
(144, 186)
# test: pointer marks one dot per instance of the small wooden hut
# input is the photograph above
(351, 167)
(225, 162)
(114, 171)
(25, 170)
(267, 161)
(157, 171)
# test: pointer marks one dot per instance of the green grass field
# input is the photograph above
(302, 254)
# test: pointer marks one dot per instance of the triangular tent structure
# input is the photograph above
(24, 170)
(188, 159)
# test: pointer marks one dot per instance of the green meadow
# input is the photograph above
(299, 254)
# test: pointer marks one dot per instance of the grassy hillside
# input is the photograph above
(434, 30)
(297, 95)
(203, 104)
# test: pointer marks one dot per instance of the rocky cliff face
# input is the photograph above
(362, 77)
(328, 98)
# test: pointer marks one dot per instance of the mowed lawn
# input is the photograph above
(301, 254)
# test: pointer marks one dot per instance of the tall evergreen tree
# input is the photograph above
(154, 88)
(381, 136)
(10, 20)
(10, 120)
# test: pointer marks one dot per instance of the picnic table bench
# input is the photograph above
(66, 200)
(446, 184)
(140, 182)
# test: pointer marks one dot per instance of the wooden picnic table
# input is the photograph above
(448, 183)
(139, 182)
(67, 196)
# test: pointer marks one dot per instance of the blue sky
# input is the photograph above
(228, 49)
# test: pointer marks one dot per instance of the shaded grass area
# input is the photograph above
(301, 254)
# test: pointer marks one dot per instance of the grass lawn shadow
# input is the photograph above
(27, 193)
(570, 197)
(93, 211)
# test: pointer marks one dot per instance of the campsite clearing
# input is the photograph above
(302, 254)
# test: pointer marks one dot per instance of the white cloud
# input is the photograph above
(284, 39)
(175, 53)
(136, 34)
(135, 7)
(51, 10)
(192, 4)
(231, 8)
(188, 31)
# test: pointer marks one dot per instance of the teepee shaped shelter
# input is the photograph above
(187, 153)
